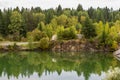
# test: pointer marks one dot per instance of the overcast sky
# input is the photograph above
(45, 4)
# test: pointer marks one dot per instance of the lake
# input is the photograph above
(55, 66)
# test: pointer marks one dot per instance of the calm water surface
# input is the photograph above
(55, 66)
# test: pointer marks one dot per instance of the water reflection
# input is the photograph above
(43, 65)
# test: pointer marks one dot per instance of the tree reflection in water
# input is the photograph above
(26, 63)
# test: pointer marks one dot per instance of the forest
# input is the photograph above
(100, 25)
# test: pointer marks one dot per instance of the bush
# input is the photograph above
(114, 45)
(49, 31)
(44, 43)
(60, 32)
(36, 35)
(108, 36)
(68, 33)
(78, 27)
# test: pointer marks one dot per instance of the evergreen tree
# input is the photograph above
(59, 10)
(88, 29)
(16, 25)
(79, 8)
(6, 21)
(1, 23)
(91, 12)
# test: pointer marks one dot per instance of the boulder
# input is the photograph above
(79, 36)
(117, 53)
(54, 37)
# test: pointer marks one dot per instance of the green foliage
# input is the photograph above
(108, 36)
(79, 8)
(39, 17)
(60, 31)
(29, 62)
(67, 12)
(44, 43)
(30, 40)
(41, 26)
(36, 35)
(78, 27)
(4, 22)
(67, 33)
(16, 25)
(72, 21)
(54, 24)
(49, 31)
(16, 22)
(88, 29)
(59, 10)
(49, 14)
(114, 45)
(82, 15)
(30, 24)
(104, 35)
(62, 20)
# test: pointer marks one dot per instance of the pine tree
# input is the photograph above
(88, 29)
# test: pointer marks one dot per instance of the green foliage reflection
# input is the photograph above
(26, 63)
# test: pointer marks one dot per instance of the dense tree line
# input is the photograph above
(18, 24)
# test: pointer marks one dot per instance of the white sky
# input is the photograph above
(45, 4)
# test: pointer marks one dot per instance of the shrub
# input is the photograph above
(67, 33)
(36, 35)
(44, 43)
(78, 27)
(49, 31)
(60, 32)
(114, 45)
(72, 32)
(108, 36)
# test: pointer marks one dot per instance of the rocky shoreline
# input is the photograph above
(76, 46)
(58, 46)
